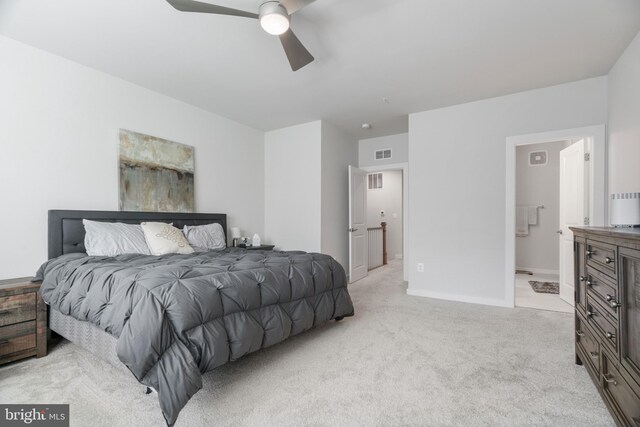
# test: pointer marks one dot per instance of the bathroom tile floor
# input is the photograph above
(526, 297)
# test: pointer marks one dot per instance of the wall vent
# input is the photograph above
(383, 154)
(538, 158)
(375, 181)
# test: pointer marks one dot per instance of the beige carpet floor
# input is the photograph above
(400, 361)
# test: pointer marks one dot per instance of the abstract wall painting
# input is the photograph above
(156, 175)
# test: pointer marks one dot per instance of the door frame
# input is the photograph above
(405, 208)
(598, 204)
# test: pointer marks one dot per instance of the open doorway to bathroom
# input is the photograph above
(555, 180)
(537, 225)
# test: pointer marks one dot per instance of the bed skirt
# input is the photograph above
(86, 335)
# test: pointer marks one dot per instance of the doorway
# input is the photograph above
(384, 217)
(538, 177)
(594, 206)
(385, 201)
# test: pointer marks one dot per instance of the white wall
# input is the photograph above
(306, 188)
(388, 199)
(624, 121)
(457, 170)
(292, 185)
(338, 152)
(399, 145)
(539, 185)
(59, 126)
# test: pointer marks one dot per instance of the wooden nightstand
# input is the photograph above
(23, 320)
(257, 248)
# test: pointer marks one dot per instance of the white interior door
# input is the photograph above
(358, 256)
(573, 200)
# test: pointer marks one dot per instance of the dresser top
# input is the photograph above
(625, 233)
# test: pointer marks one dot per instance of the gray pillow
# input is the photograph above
(205, 237)
(113, 238)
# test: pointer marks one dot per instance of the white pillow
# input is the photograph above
(205, 237)
(113, 238)
(165, 239)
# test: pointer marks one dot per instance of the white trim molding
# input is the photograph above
(539, 271)
(458, 298)
(598, 187)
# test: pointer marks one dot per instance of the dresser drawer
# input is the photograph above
(600, 287)
(622, 393)
(18, 337)
(17, 308)
(603, 324)
(602, 257)
(588, 344)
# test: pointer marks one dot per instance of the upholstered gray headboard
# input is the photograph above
(66, 232)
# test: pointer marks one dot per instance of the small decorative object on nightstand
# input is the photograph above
(23, 320)
(235, 235)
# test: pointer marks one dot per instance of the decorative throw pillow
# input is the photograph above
(113, 238)
(205, 237)
(165, 239)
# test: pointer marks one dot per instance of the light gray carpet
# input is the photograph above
(400, 361)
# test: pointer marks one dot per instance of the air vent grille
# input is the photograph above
(538, 158)
(383, 154)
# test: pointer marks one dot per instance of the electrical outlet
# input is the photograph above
(420, 267)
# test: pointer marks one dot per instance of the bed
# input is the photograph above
(171, 318)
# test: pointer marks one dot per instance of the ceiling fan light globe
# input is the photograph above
(274, 18)
(274, 23)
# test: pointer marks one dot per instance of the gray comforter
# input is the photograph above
(178, 316)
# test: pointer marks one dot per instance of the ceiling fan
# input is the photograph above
(275, 19)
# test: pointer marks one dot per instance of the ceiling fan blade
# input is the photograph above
(196, 6)
(297, 54)
(293, 6)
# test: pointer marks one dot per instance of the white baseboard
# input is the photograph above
(459, 298)
(539, 270)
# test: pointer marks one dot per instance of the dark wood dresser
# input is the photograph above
(23, 320)
(607, 296)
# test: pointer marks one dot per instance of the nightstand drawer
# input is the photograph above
(18, 337)
(17, 308)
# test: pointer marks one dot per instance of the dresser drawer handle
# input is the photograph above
(609, 380)
(608, 260)
(612, 302)
(580, 334)
(594, 354)
(592, 313)
(582, 278)
(610, 335)
(590, 283)
(589, 253)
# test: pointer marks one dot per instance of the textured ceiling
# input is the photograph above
(420, 54)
